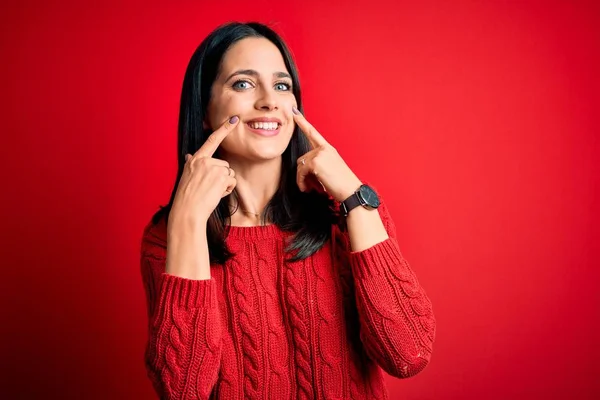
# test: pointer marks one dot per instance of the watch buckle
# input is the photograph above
(345, 209)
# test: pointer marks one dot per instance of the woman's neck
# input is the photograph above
(256, 185)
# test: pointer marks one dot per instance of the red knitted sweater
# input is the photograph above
(263, 328)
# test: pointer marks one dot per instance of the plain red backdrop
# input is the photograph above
(477, 121)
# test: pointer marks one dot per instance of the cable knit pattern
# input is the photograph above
(179, 325)
(263, 328)
(295, 290)
(398, 327)
(329, 326)
(360, 366)
(277, 348)
(242, 281)
(229, 378)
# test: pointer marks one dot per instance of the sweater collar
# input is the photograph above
(158, 233)
(256, 232)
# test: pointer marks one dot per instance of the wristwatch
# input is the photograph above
(365, 196)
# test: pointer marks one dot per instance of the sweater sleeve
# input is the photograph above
(183, 350)
(397, 325)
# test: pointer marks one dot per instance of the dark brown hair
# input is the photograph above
(308, 215)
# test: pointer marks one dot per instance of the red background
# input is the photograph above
(477, 121)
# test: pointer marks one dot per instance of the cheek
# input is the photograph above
(232, 144)
(289, 114)
(289, 102)
(221, 107)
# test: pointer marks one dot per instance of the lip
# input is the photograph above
(265, 132)
(265, 119)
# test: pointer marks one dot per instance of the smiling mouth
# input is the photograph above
(264, 126)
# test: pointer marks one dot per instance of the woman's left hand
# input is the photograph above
(325, 164)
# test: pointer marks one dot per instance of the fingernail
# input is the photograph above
(295, 111)
(233, 119)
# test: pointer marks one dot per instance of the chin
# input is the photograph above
(267, 151)
(267, 155)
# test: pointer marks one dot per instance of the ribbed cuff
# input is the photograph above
(188, 293)
(376, 259)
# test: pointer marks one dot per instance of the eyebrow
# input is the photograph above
(255, 74)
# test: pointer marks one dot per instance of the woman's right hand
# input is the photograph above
(205, 180)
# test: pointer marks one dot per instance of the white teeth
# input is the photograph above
(269, 126)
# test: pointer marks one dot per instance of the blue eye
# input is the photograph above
(241, 85)
(282, 86)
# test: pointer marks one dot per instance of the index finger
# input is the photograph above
(314, 137)
(214, 140)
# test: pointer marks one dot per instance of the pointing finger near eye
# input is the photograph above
(214, 140)
(313, 136)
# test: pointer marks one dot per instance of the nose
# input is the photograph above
(266, 101)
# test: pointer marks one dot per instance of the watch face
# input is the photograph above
(369, 196)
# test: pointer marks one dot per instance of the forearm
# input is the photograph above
(184, 347)
(396, 317)
(187, 251)
(365, 228)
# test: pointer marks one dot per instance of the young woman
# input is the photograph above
(273, 272)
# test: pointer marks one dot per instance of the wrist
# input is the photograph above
(351, 188)
(187, 249)
(182, 226)
(363, 197)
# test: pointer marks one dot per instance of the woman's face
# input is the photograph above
(255, 85)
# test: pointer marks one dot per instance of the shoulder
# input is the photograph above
(154, 238)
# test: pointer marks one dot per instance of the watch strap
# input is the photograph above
(351, 203)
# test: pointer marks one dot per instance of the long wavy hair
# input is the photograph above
(308, 215)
